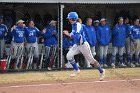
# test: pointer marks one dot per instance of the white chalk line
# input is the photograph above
(70, 83)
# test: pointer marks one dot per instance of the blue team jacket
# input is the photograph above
(18, 34)
(66, 42)
(90, 35)
(78, 33)
(127, 26)
(49, 38)
(103, 35)
(135, 32)
(31, 34)
(3, 31)
(119, 35)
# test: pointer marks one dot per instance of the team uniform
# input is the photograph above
(135, 37)
(31, 34)
(80, 46)
(49, 37)
(18, 35)
(118, 43)
(50, 43)
(3, 31)
(103, 37)
(128, 45)
(90, 35)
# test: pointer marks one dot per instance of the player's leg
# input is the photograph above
(105, 56)
(2, 46)
(121, 51)
(137, 51)
(85, 50)
(36, 56)
(101, 55)
(113, 58)
(93, 54)
(130, 55)
(70, 57)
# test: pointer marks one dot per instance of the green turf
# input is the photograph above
(58, 76)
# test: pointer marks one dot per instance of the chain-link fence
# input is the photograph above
(50, 53)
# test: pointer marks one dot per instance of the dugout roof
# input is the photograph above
(74, 1)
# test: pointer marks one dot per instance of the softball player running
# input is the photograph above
(118, 42)
(135, 38)
(18, 34)
(31, 34)
(3, 31)
(103, 37)
(90, 35)
(81, 45)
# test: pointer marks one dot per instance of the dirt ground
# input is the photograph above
(109, 85)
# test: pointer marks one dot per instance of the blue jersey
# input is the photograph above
(90, 35)
(119, 35)
(3, 31)
(103, 35)
(49, 37)
(78, 33)
(66, 42)
(18, 34)
(31, 34)
(127, 26)
(135, 32)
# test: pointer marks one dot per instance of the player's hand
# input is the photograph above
(43, 31)
(24, 25)
(65, 32)
(14, 27)
(135, 45)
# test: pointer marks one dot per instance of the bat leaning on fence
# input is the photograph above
(42, 58)
(30, 57)
(19, 59)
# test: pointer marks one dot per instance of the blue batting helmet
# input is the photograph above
(72, 15)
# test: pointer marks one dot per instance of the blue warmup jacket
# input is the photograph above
(3, 31)
(18, 34)
(49, 38)
(119, 35)
(127, 26)
(135, 32)
(103, 35)
(66, 42)
(90, 35)
(77, 33)
(31, 34)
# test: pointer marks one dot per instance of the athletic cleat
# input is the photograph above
(113, 65)
(131, 65)
(75, 73)
(102, 75)
(137, 64)
(102, 65)
(122, 65)
(49, 68)
(105, 65)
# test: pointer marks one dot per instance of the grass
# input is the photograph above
(58, 76)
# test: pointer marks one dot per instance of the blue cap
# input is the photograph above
(72, 15)
(1, 17)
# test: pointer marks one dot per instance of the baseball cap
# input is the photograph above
(52, 21)
(20, 21)
(102, 19)
(96, 21)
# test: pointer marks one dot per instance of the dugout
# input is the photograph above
(45, 10)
